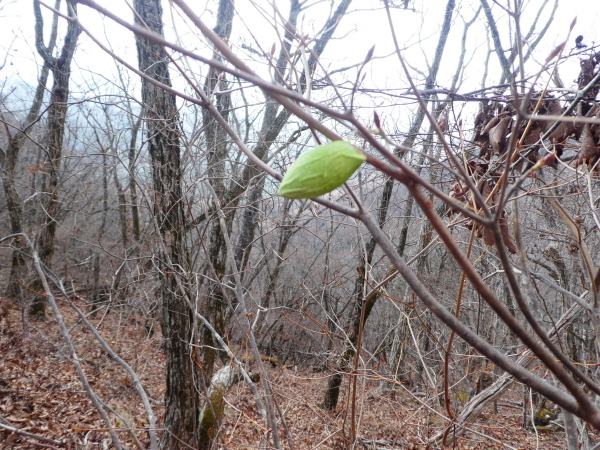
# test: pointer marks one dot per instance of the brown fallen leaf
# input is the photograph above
(17, 419)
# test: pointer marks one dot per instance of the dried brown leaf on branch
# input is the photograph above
(564, 130)
(488, 237)
(459, 192)
(498, 134)
(485, 182)
(443, 120)
(587, 74)
(494, 134)
(506, 237)
(589, 153)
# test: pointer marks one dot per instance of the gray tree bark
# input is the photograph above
(8, 160)
(182, 402)
(101, 228)
(57, 114)
(135, 215)
(217, 152)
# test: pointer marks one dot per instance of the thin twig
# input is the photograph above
(31, 435)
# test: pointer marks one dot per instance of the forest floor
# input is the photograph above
(40, 393)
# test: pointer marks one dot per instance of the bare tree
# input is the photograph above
(8, 160)
(57, 114)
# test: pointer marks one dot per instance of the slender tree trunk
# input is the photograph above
(135, 215)
(57, 115)
(8, 161)
(212, 412)
(182, 402)
(217, 152)
(15, 214)
(96, 261)
(122, 207)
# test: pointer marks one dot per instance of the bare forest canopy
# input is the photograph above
(141, 152)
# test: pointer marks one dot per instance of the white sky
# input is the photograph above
(366, 26)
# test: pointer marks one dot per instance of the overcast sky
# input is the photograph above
(364, 27)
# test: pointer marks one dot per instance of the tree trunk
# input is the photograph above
(96, 263)
(8, 161)
(135, 215)
(160, 110)
(122, 207)
(275, 118)
(57, 115)
(217, 152)
(212, 412)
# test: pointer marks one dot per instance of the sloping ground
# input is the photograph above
(40, 393)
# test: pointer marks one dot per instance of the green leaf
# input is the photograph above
(321, 170)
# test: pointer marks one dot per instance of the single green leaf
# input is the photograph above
(321, 170)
